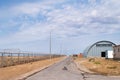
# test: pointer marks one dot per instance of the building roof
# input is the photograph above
(89, 47)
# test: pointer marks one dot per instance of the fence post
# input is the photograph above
(18, 58)
(34, 57)
(11, 59)
(2, 60)
(28, 57)
(24, 58)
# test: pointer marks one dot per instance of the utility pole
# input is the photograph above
(61, 49)
(50, 47)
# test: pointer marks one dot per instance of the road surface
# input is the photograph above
(67, 70)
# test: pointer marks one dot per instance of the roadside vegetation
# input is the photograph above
(100, 65)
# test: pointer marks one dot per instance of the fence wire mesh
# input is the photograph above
(14, 58)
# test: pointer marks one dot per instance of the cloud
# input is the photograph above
(36, 20)
(106, 20)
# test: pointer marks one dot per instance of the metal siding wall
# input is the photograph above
(96, 51)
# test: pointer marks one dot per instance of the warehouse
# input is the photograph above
(99, 49)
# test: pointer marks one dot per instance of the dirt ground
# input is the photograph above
(100, 65)
(12, 72)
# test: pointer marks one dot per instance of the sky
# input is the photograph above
(73, 24)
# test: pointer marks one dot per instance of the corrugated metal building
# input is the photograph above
(99, 49)
(117, 52)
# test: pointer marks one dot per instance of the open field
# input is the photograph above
(12, 72)
(100, 65)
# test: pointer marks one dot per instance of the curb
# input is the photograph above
(84, 69)
(25, 76)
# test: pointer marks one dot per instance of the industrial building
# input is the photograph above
(100, 49)
(117, 52)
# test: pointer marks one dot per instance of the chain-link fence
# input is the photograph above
(11, 59)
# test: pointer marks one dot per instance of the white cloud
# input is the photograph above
(66, 21)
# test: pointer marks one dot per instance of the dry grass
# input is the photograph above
(12, 72)
(101, 65)
(11, 61)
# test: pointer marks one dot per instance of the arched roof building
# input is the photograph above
(98, 49)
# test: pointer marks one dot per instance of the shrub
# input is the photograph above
(112, 67)
(97, 62)
(91, 60)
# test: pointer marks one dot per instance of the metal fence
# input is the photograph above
(11, 59)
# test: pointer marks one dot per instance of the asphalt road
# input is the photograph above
(67, 70)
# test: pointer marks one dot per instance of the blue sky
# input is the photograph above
(74, 24)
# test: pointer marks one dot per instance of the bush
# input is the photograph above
(91, 60)
(97, 63)
(112, 67)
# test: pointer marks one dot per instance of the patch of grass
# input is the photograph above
(91, 60)
(112, 67)
(102, 66)
(97, 62)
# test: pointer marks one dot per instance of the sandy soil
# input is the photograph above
(100, 65)
(9, 73)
